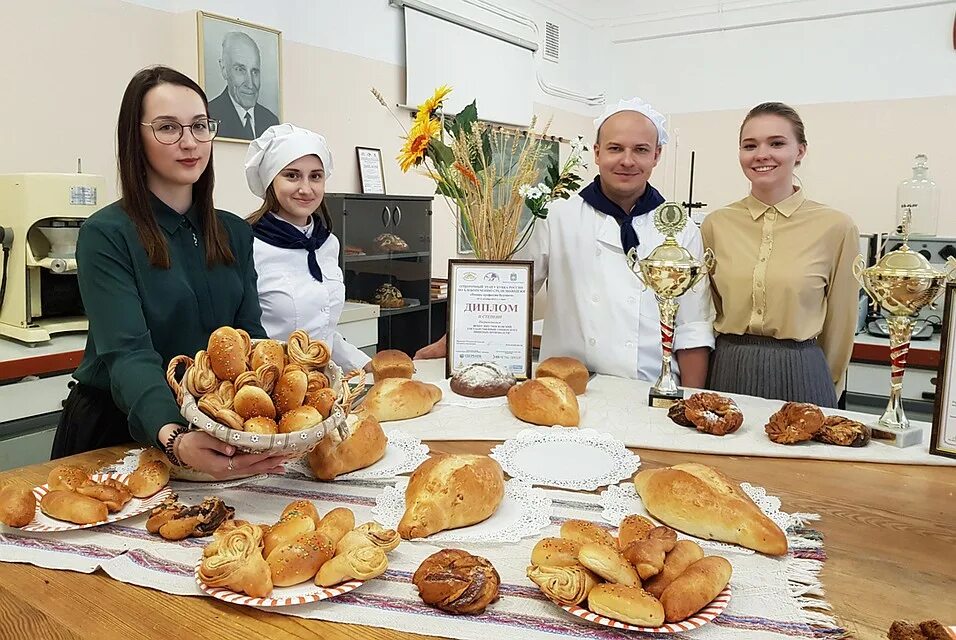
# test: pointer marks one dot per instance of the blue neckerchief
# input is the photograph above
(649, 200)
(275, 231)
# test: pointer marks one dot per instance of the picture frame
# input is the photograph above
(371, 170)
(240, 69)
(489, 315)
(942, 441)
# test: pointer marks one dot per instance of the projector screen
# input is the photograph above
(497, 74)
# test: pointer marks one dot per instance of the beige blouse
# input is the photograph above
(785, 271)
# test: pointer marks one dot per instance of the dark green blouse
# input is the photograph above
(141, 316)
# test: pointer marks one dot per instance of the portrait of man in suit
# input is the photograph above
(242, 84)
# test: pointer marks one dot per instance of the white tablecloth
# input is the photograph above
(619, 406)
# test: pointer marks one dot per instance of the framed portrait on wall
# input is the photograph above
(240, 69)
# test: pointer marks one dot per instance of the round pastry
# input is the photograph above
(457, 582)
(571, 370)
(390, 242)
(482, 380)
(17, 506)
(677, 413)
(795, 422)
(843, 432)
(713, 413)
(389, 296)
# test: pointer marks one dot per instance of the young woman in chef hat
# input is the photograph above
(300, 283)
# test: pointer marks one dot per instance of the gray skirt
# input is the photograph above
(770, 368)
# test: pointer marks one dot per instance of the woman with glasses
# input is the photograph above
(297, 256)
(159, 270)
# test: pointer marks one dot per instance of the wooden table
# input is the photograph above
(889, 534)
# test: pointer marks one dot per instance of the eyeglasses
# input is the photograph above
(171, 132)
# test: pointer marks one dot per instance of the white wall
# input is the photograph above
(374, 29)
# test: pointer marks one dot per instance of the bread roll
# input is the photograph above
(261, 425)
(450, 491)
(150, 454)
(703, 502)
(684, 554)
(565, 585)
(693, 589)
(555, 552)
(456, 581)
(234, 560)
(632, 605)
(364, 446)
(336, 523)
(307, 353)
(302, 507)
(17, 506)
(289, 392)
(647, 556)
(363, 563)
(300, 418)
(113, 493)
(571, 370)
(228, 351)
(583, 531)
(299, 560)
(289, 527)
(385, 539)
(607, 562)
(323, 400)
(392, 363)
(400, 399)
(66, 478)
(253, 402)
(148, 479)
(352, 540)
(268, 352)
(73, 507)
(544, 401)
(230, 418)
(633, 527)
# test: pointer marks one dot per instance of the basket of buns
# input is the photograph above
(261, 395)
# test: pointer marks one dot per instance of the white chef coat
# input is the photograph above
(292, 299)
(598, 310)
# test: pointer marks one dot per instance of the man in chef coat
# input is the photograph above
(598, 311)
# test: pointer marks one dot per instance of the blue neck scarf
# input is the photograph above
(275, 231)
(649, 200)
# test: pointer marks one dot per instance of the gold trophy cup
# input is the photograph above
(669, 270)
(902, 283)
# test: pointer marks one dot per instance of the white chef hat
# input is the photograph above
(279, 145)
(636, 104)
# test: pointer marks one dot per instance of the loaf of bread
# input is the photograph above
(364, 446)
(400, 399)
(544, 401)
(566, 585)
(606, 561)
(457, 582)
(583, 531)
(300, 559)
(684, 554)
(73, 507)
(228, 351)
(571, 370)
(17, 506)
(555, 552)
(702, 502)
(361, 563)
(482, 380)
(450, 491)
(148, 479)
(392, 363)
(632, 605)
(693, 589)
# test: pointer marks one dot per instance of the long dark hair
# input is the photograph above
(131, 159)
(271, 203)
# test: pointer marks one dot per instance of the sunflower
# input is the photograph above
(416, 144)
(430, 105)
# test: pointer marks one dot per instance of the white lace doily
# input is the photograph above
(567, 458)
(621, 500)
(403, 453)
(524, 512)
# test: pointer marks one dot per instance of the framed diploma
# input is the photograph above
(370, 170)
(489, 315)
(942, 441)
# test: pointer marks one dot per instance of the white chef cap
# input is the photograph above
(279, 145)
(636, 104)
